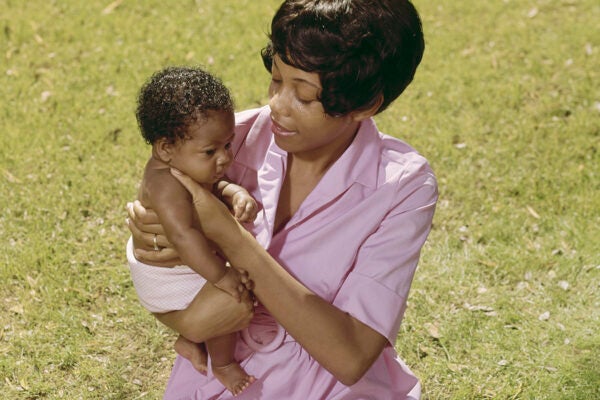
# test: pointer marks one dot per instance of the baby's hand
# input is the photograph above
(244, 206)
(231, 283)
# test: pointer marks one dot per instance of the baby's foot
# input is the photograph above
(194, 352)
(233, 377)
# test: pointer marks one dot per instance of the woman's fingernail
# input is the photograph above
(126, 221)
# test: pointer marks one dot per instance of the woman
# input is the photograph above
(344, 213)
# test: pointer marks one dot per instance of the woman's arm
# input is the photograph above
(212, 313)
(339, 342)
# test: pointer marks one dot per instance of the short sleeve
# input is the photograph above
(376, 289)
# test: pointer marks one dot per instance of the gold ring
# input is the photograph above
(156, 248)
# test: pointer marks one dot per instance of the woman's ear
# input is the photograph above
(163, 149)
(368, 112)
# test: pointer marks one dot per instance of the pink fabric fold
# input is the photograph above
(264, 334)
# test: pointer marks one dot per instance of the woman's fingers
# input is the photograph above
(212, 313)
(186, 181)
(144, 215)
(151, 246)
(164, 255)
(143, 220)
(140, 238)
(147, 237)
(245, 279)
(204, 201)
(145, 233)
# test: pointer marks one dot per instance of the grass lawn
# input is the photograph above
(506, 106)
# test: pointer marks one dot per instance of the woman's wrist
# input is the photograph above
(232, 241)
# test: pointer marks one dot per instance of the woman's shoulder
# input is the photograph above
(250, 125)
(397, 152)
(397, 158)
(404, 169)
(245, 119)
(252, 136)
(407, 174)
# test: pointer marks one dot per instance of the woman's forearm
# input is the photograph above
(339, 342)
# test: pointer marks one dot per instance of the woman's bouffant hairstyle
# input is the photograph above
(361, 49)
(175, 98)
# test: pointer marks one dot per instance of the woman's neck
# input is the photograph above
(303, 173)
(316, 163)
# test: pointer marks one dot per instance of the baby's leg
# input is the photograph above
(224, 366)
(194, 352)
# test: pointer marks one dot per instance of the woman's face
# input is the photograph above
(300, 124)
(205, 153)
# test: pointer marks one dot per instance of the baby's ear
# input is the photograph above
(163, 149)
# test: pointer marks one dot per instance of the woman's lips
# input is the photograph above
(280, 130)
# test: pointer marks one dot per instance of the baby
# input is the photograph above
(187, 115)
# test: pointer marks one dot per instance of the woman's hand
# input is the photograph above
(215, 219)
(212, 313)
(231, 283)
(150, 244)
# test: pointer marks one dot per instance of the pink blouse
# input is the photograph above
(355, 241)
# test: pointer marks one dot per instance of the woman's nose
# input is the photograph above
(279, 101)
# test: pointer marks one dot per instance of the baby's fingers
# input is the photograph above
(247, 213)
(238, 211)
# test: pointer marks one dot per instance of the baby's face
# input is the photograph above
(206, 152)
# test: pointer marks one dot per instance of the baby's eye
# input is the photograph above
(228, 146)
(209, 152)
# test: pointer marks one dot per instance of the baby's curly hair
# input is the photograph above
(176, 97)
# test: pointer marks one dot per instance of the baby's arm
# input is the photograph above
(237, 198)
(174, 208)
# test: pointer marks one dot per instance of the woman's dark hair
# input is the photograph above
(176, 97)
(361, 49)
